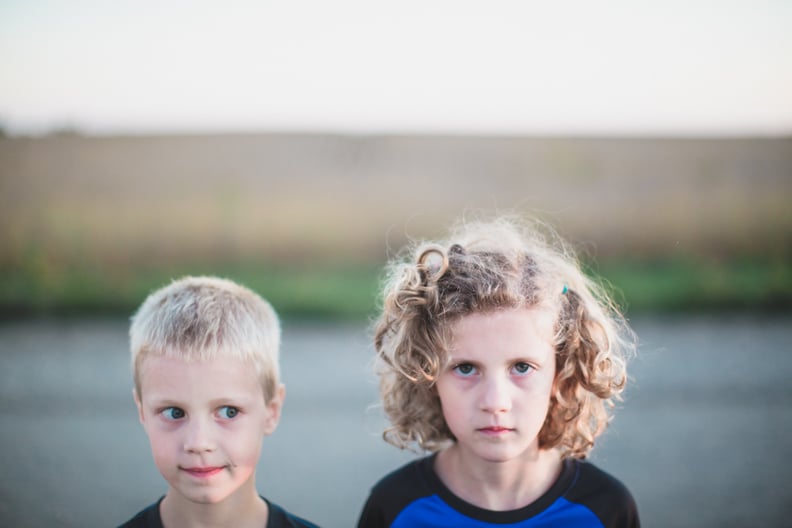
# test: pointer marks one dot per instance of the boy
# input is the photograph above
(207, 389)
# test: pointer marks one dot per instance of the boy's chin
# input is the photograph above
(202, 497)
(213, 490)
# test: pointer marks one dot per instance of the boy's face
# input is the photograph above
(206, 421)
(495, 390)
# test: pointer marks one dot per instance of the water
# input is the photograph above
(701, 438)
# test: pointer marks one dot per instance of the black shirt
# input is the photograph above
(278, 518)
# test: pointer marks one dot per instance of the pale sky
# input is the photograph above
(431, 66)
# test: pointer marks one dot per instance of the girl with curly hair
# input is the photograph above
(501, 358)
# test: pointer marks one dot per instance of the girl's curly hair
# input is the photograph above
(483, 267)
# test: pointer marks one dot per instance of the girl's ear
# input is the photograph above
(274, 407)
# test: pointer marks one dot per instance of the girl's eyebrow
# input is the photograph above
(520, 356)
(459, 359)
(453, 362)
(523, 358)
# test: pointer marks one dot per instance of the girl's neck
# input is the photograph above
(498, 486)
(243, 508)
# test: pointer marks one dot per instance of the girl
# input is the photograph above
(501, 358)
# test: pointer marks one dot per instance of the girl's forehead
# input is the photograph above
(537, 318)
(512, 332)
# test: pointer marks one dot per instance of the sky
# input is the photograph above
(671, 67)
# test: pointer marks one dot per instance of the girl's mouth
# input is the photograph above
(495, 430)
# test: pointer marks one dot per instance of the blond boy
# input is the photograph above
(207, 389)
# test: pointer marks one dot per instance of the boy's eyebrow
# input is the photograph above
(234, 399)
(161, 401)
(224, 400)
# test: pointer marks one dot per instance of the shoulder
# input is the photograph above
(605, 495)
(280, 518)
(149, 517)
(395, 491)
(406, 481)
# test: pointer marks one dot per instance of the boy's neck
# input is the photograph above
(498, 486)
(245, 508)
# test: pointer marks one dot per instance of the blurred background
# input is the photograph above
(295, 147)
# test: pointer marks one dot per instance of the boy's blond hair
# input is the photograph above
(201, 318)
(484, 267)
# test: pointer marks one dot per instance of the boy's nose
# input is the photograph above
(496, 397)
(199, 438)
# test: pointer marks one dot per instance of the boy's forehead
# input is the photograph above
(169, 372)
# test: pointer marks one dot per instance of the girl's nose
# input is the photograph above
(496, 397)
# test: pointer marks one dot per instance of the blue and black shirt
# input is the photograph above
(584, 496)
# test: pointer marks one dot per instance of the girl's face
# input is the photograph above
(495, 390)
(206, 421)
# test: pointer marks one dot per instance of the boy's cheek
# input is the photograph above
(161, 449)
(164, 461)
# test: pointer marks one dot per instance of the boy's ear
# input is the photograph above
(138, 404)
(274, 407)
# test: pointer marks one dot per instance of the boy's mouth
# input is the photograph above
(203, 472)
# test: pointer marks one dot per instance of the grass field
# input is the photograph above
(352, 293)
(91, 224)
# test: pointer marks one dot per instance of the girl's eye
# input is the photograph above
(228, 412)
(522, 368)
(173, 413)
(465, 369)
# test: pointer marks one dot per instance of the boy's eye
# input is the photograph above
(228, 412)
(522, 367)
(173, 413)
(465, 369)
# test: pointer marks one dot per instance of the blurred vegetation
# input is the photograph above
(306, 293)
(92, 225)
(700, 285)
(352, 292)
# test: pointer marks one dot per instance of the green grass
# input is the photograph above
(333, 292)
(690, 284)
(350, 292)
